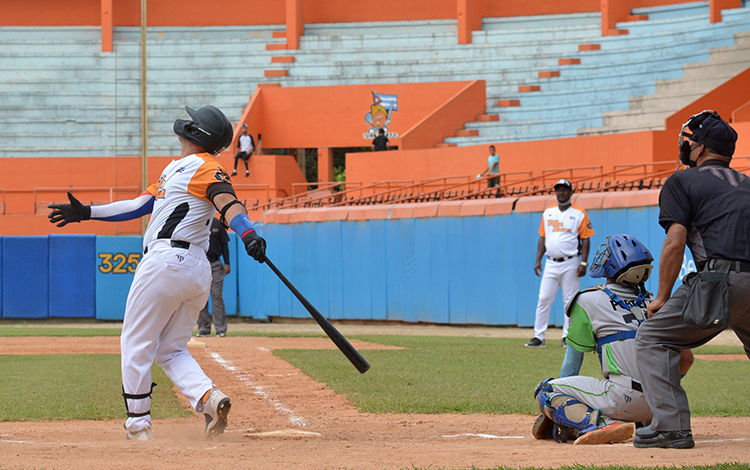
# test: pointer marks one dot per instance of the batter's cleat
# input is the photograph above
(535, 343)
(646, 438)
(215, 410)
(142, 435)
(615, 432)
(543, 428)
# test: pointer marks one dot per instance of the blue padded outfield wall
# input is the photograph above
(451, 270)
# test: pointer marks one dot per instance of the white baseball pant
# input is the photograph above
(556, 275)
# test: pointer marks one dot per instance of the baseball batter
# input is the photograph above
(603, 318)
(172, 281)
(564, 236)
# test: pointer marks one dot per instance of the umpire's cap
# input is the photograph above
(209, 128)
(709, 129)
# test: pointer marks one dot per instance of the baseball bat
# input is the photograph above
(338, 339)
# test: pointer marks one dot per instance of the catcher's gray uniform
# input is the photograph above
(598, 322)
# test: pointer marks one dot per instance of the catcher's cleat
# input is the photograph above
(215, 411)
(543, 427)
(142, 435)
(615, 432)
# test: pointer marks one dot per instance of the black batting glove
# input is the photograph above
(255, 246)
(67, 213)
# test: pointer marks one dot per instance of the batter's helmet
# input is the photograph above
(209, 128)
(623, 258)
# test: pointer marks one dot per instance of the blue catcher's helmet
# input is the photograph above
(623, 258)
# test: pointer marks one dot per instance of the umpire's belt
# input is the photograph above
(619, 336)
(734, 265)
(560, 260)
(195, 250)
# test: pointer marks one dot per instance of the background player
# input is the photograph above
(172, 280)
(218, 247)
(603, 318)
(246, 144)
(564, 235)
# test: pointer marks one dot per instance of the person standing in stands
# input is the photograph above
(380, 143)
(218, 246)
(493, 167)
(246, 144)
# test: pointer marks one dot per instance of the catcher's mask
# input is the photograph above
(209, 128)
(709, 129)
(623, 258)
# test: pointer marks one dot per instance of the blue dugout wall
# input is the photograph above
(457, 270)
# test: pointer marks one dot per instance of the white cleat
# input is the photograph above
(142, 435)
(215, 411)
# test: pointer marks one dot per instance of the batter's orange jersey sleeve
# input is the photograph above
(208, 173)
(585, 230)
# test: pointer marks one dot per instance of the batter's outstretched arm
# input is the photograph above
(118, 211)
(232, 210)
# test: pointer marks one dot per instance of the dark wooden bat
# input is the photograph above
(338, 339)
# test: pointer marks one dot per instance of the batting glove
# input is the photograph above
(67, 213)
(255, 246)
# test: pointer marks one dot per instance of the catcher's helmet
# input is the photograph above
(623, 258)
(209, 128)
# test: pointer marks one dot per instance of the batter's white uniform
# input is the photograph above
(171, 285)
(561, 231)
(594, 315)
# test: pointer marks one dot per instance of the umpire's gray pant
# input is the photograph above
(660, 340)
(217, 303)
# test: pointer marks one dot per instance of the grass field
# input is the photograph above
(431, 375)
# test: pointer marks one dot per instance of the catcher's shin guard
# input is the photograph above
(565, 411)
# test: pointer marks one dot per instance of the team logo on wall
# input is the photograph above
(381, 112)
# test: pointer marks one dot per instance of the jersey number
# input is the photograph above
(119, 263)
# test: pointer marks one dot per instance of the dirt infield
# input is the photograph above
(282, 419)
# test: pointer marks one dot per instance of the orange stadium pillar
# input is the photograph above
(106, 7)
(325, 164)
(469, 20)
(717, 5)
(295, 23)
(613, 11)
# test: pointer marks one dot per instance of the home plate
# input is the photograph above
(283, 433)
(196, 344)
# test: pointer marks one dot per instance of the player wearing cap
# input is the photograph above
(564, 237)
(707, 207)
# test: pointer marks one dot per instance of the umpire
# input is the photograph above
(218, 247)
(706, 207)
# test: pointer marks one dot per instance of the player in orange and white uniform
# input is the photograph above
(564, 238)
(173, 279)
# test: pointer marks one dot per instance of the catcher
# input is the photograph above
(605, 319)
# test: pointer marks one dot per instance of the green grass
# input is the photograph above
(485, 375)
(74, 386)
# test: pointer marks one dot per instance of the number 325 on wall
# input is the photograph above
(119, 263)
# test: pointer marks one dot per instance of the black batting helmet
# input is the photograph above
(209, 128)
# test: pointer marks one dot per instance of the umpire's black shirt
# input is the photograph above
(218, 242)
(713, 202)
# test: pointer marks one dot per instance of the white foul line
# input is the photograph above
(258, 390)
(487, 436)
